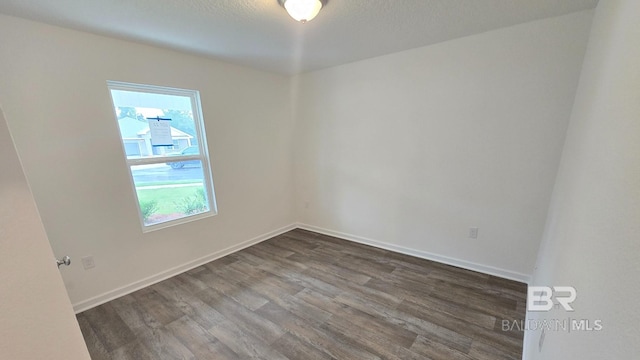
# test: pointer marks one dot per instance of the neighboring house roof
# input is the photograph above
(131, 128)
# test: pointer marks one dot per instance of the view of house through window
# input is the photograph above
(164, 142)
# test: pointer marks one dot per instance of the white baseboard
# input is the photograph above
(127, 289)
(485, 269)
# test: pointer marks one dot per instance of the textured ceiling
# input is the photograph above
(260, 34)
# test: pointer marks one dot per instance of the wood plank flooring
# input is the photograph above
(303, 295)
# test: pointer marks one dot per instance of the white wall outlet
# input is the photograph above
(306, 204)
(473, 233)
(88, 263)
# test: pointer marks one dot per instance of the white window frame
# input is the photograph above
(203, 155)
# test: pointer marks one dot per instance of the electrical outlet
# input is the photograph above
(306, 204)
(541, 341)
(473, 233)
(88, 263)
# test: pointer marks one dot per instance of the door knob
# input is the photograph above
(64, 261)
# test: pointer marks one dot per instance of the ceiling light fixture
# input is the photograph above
(302, 10)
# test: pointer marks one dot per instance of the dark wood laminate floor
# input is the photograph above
(302, 295)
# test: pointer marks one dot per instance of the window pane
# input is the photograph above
(167, 193)
(159, 128)
(133, 121)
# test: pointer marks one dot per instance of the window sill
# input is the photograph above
(182, 220)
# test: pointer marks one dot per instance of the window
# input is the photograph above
(164, 143)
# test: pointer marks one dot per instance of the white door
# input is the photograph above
(36, 317)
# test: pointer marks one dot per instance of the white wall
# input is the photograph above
(411, 149)
(54, 92)
(36, 319)
(592, 239)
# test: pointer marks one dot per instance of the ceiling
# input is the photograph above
(260, 34)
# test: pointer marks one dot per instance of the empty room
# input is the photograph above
(320, 179)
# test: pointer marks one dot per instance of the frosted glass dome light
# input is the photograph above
(302, 10)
